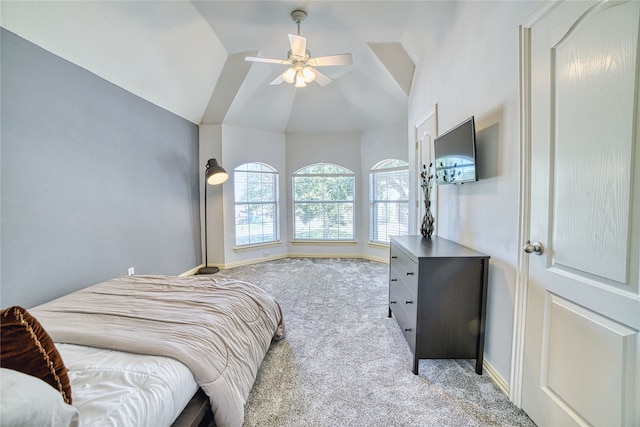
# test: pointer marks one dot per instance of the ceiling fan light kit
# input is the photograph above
(301, 71)
(308, 74)
(289, 76)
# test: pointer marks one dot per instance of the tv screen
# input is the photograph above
(455, 154)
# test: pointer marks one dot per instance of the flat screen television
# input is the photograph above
(455, 154)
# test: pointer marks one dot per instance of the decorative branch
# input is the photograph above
(426, 182)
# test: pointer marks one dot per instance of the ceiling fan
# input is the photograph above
(301, 65)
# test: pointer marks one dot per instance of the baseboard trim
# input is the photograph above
(251, 261)
(194, 270)
(496, 377)
(191, 272)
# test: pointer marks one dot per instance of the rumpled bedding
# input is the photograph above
(116, 388)
(219, 328)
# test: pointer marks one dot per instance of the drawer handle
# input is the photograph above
(394, 257)
(392, 302)
(408, 302)
(410, 273)
(407, 329)
(394, 280)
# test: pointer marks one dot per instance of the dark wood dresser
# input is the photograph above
(438, 295)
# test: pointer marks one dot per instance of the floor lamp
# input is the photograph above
(214, 174)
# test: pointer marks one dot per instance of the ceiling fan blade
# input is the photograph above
(321, 79)
(277, 81)
(269, 60)
(322, 61)
(298, 45)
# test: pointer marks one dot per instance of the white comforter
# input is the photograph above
(113, 388)
(219, 328)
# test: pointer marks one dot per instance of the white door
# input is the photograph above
(581, 346)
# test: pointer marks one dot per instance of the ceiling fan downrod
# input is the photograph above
(298, 17)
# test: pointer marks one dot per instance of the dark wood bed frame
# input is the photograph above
(197, 413)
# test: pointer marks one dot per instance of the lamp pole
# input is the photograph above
(214, 174)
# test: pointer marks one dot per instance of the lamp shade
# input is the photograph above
(214, 173)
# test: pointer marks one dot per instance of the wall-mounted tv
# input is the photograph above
(455, 154)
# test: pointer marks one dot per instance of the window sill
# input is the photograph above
(379, 245)
(325, 242)
(257, 246)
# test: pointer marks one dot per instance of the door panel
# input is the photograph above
(575, 340)
(582, 345)
(592, 77)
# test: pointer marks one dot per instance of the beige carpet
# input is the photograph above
(345, 363)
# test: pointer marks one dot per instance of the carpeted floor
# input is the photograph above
(345, 363)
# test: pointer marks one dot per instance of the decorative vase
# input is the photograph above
(427, 222)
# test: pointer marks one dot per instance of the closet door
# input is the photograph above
(581, 347)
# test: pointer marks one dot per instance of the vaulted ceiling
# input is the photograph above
(188, 57)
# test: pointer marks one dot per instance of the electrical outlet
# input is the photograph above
(131, 271)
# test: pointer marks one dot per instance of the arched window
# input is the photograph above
(256, 204)
(388, 200)
(323, 203)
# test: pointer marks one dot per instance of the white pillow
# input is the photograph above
(26, 400)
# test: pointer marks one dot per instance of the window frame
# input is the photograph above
(375, 201)
(273, 203)
(308, 172)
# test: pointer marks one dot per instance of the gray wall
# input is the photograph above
(94, 180)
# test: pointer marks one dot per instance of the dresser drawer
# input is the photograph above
(400, 294)
(407, 327)
(406, 267)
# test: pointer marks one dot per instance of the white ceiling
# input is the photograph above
(188, 56)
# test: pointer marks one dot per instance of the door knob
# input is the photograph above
(533, 248)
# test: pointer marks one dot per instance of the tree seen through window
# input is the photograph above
(323, 203)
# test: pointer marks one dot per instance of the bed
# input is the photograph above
(138, 350)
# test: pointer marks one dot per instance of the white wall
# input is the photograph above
(471, 68)
(241, 145)
(306, 149)
(233, 146)
(358, 153)
(378, 145)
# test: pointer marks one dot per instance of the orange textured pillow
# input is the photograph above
(26, 347)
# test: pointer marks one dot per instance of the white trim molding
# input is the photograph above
(417, 165)
(257, 246)
(325, 242)
(524, 212)
(191, 272)
(496, 377)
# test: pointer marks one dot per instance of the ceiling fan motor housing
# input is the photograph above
(299, 59)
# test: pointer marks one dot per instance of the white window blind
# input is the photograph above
(388, 200)
(256, 204)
